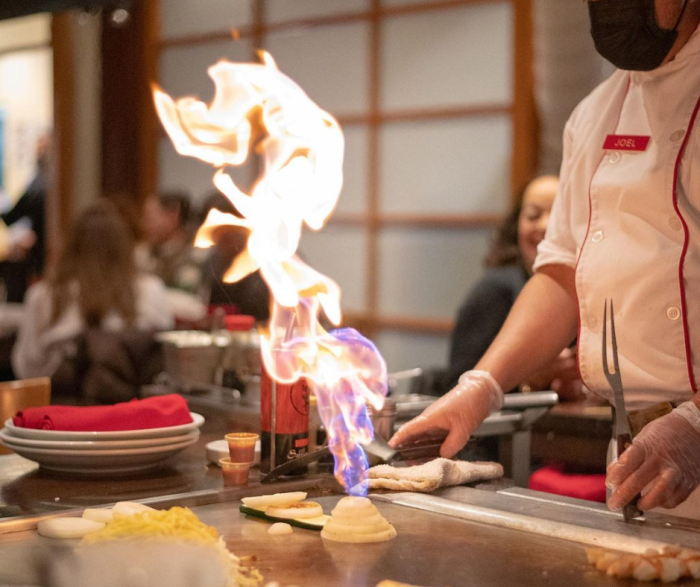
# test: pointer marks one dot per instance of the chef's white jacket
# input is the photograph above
(629, 222)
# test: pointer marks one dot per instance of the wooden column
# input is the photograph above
(150, 125)
(129, 122)
(59, 201)
(524, 114)
(369, 327)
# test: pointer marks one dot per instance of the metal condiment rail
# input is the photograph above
(555, 516)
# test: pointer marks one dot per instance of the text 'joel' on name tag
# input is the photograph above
(636, 143)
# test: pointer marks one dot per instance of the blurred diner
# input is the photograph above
(508, 267)
(95, 287)
(250, 295)
(23, 242)
(168, 234)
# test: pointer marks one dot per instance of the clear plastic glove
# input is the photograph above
(665, 456)
(458, 412)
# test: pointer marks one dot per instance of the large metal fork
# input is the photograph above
(623, 435)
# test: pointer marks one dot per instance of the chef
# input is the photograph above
(625, 226)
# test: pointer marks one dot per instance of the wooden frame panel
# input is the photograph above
(59, 203)
(377, 12)
(148, 146)
(373, 227)
(524, 111)
(521, 111)
(129, 121)
(419, 220)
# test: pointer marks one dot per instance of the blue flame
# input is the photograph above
(344, 404)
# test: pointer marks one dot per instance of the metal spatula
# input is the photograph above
(378, 452)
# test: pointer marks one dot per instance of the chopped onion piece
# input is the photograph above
(280, 528)
(68, 527)
(296, 511)
(277, 499)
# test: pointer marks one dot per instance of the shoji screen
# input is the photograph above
(424, 92)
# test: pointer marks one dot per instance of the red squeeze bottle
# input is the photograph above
(291, 422)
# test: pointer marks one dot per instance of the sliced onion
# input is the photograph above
(98, 515)
(277, 499)
(129, 508)
(296, 511)
(357, 520)
(68, 527)
(382, 536)
(279, 529)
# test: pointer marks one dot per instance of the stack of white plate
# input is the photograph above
(91, 453)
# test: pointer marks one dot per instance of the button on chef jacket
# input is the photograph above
(629, 222)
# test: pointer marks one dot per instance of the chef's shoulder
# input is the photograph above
(598, 101)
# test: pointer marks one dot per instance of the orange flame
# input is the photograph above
(300, 184)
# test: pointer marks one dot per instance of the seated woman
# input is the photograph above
(250, 295)
(509, 266)
(95, 286)
(168, 236)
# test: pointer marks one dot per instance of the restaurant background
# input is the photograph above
(448, 107)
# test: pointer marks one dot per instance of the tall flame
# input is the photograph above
(302, 153)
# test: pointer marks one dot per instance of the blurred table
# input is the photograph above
(25, 489)
(575, 433)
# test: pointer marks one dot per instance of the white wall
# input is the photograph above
(24, 32)
(26, 96)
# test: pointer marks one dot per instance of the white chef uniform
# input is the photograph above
(629, 222)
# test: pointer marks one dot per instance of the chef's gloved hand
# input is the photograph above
(665, 454)
(458, 412)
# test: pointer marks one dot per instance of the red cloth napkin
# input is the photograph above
(555, 479)
(153, 412)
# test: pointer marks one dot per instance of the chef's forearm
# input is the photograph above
(542, 322)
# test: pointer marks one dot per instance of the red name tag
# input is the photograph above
(626, 143)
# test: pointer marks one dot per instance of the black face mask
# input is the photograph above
(625, 33)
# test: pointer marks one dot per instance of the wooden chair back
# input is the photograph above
(22, 394)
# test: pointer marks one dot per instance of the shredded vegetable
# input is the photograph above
(176, 524)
